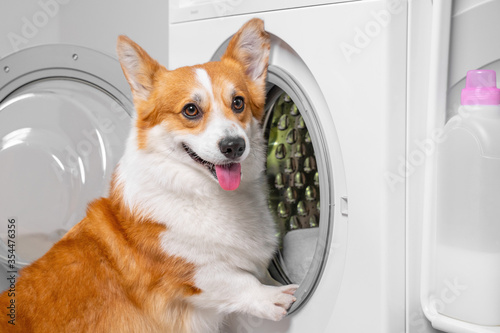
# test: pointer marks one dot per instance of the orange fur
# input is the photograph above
(170, 93)
(164, 104)
(107, 274)
(238, 57)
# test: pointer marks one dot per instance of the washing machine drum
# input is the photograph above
(63, 123)
(293, 182)
(299, 183)
(299, 175)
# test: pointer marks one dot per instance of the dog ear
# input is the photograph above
(139, 68)
(250, 47)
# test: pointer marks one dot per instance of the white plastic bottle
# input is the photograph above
(468, 206)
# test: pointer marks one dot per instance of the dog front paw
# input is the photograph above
(277, 301)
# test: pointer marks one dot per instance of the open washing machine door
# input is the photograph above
(64, 117)
(304, 172)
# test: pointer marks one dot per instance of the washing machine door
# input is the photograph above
(299, 180)
(64, 118)
(303, 159)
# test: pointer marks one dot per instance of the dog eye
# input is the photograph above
(238, 104)
(190, 111)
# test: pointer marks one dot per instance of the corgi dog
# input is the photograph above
(185, 236)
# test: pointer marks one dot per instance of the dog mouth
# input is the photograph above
(227, 175)
(195, 157)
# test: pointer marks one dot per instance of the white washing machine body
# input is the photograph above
(349, 61)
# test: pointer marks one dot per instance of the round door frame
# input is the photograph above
(68, 62)
(65, 61)
(277, 76)
(280, 78)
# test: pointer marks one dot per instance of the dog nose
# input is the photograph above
(232, 147)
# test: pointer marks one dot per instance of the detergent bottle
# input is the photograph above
(468, 206)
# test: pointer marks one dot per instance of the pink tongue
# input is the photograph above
(229, 176)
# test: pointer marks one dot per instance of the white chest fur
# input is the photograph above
(229, 236)
(229, 228)
(205, 224)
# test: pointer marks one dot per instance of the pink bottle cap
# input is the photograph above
(481, 88)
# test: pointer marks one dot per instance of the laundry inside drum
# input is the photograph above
(293, 181)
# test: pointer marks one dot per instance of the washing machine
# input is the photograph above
(65, 113)
(336, 130)
(335, 124)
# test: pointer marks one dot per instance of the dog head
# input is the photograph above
(205, 116)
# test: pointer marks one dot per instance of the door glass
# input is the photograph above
(60, 140)
(293, 181)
